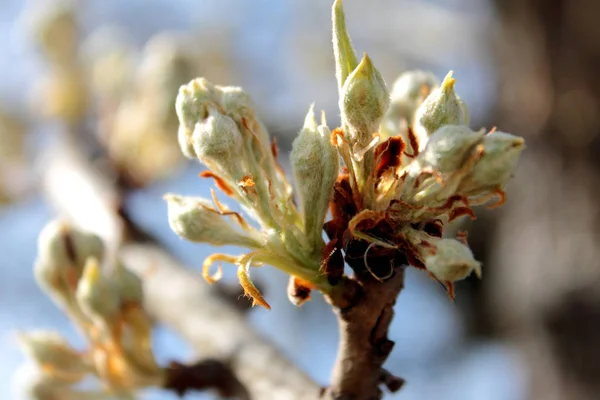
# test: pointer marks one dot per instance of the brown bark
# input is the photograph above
(364, 317)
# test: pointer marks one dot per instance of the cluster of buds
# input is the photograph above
(219, 127)
(106, 308)
(142, 148)
(411, 165)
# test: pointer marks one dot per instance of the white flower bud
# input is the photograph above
(96, 294)
(451, 261)
(407, 94)
(193, 101)
(238, 105)
(448, 260)
(412, 87)
(449, 147)
(441, 107)
(315, 164)
(501, 153)
(62, 251)
(219, 145)
(54, 354)
(195, 219)
(364, 99)
(192, 105)
(61, 244)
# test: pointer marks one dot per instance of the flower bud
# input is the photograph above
(54, 354)
(407, 94)
(501, 153)
(193, 101)
(448, 260)
(128, 285)
(192, 105)
(62, 251)
(315, 164)
(96, 294)
(441, 107)
(218, 144)
(238, 105)
(451, 261)
(413, 87)
(449, 147)
(61, 244)
(195, 219)
(364, 99)
(345, 58)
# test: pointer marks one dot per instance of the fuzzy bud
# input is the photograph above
(452, 261)
(448, 148)
(315, 164)
(447, 259)
(364, 99)
(62, 251)
(218, 144)
(501, 153)
(441, 107)
(96, 294)
(407, 94)
(195, 219)
(192, 105)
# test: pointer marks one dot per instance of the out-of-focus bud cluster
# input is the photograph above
(138, 125)
(106, 306)
(128, 92)
(411, 165)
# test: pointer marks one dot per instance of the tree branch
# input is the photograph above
(175, 296)
(364, 345)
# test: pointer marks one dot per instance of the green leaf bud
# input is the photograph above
(343, 52)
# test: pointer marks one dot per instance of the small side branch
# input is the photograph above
(204, 375)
